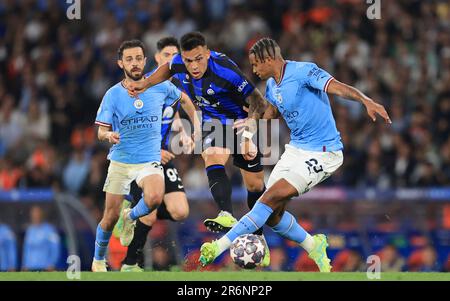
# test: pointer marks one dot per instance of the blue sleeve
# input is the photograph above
(105, 111)
(243, 87)
(54, 247)
(315, 77)
(173, 94)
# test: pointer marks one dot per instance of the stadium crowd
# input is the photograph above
(54, 72)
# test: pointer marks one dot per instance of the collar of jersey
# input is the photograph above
(283, 70)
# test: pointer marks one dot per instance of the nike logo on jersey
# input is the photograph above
(252, 165)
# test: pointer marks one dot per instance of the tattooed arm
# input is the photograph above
(257, 108)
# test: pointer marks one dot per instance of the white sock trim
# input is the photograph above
(308, 243)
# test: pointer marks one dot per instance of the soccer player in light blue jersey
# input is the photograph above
(298, 92)
(133, 126)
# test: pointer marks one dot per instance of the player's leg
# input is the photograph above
(253, 177)
(220, 185)
(117, 184)
(272, 200)
(151, 180)
(111, 213)
(174, 207)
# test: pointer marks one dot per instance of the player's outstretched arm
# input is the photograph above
(343, 90)
(190, 110)
(161, 74)
(104, 134)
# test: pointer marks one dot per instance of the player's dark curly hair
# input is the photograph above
(167, 41)
(192, 40)
(130, 44)
(264, 46)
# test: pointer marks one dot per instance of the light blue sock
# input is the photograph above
(250, 222)
(141, 209)
(289, 228)
(101, 243)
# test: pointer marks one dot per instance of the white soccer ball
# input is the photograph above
(247, 251)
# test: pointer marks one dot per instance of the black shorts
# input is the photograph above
(172, 181)
(229, 139)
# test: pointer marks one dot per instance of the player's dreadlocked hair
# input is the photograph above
(263, 46)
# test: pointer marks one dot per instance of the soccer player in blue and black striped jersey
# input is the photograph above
(224, 94)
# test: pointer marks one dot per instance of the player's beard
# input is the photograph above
(134, 77)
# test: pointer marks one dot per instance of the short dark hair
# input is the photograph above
(167, 41)
(263, 46)
(192, 40)
(130, 44)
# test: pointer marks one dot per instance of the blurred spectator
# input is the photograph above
(8, 249)
(76, 171)
(423, 260)
(42, 245)
(391, 261)
(348, 261)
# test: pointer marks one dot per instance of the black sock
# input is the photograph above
(252, 197)
(220, 186)
(135, 249)
(162, 212)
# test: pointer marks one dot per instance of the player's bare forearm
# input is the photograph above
(271, 112)
(161, 74)
(105, 134)
(189, 108)
(346, 91)
(257, 107)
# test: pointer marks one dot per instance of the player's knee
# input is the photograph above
(179, 214)
(153, 199)
(255, 186)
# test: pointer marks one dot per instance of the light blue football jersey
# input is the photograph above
(302, 100)
(137, 120)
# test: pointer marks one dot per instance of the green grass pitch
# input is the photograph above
(221, 276)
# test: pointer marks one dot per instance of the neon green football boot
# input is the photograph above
(119, 225)
(319, 253)
(266, 260)
(208, 252)
(222, 223)
(131, 268)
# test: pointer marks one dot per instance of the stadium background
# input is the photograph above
(389, 198)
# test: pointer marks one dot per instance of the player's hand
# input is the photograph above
(374, 108)
(134, 88)
(248, 149)
(166, 156)
(240, 124)
(113, 137)
(187, 142)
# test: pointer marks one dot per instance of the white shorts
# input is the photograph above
(120, 175)
(305, 169)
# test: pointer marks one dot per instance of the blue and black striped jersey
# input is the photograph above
(222, 91)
